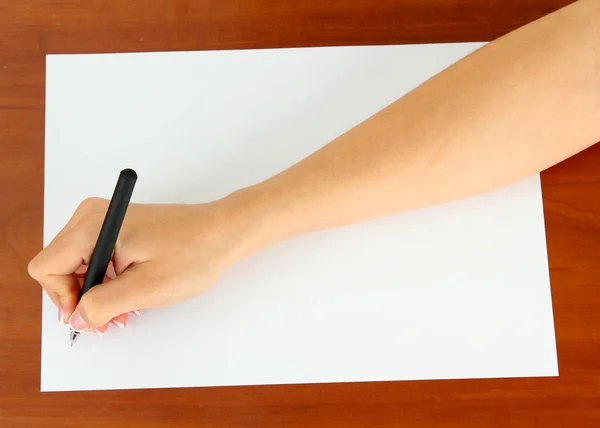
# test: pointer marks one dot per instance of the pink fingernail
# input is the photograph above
(118, 324)
(110, 272)
(137, 312)
(61, 316)
(77, 322)
(99, 333)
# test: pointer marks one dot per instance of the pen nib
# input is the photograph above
(74, 337)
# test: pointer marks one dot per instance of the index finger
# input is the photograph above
(54, 268)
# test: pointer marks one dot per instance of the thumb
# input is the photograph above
(106, 301)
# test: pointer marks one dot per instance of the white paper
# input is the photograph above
(459, 290)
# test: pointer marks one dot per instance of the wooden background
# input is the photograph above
(29, 29)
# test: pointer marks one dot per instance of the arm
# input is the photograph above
(513, 108)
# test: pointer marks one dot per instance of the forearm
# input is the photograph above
(511, 109)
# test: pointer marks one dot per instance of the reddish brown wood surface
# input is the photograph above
(29, 29)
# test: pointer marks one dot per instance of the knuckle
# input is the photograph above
(90, 205)
(89, 202)
(34, 269)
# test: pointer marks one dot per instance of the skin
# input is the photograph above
(515, 107)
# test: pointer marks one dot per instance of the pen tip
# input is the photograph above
(74, 337)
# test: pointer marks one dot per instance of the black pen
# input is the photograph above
(108, 235)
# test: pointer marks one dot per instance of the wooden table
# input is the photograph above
(29, 29)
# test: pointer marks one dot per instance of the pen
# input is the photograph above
(108, 235)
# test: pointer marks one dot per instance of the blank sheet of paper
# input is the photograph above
(459, 290)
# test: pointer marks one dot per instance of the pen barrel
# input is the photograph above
(109, 232)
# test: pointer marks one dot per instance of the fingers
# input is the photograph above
(55, 266)
(120, 320)
(112, 299)
(64, 291)
(101, 330)
(61, 267)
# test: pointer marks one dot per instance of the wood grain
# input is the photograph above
(30, 29)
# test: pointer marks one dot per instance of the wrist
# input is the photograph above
(256, 217)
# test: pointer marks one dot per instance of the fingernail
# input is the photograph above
(77, 323)
(99, 333)
(110, 272)
(137, 312)
(61, 316)
(118, 324)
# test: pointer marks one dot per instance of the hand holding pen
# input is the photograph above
(109, 232)
(163, 254)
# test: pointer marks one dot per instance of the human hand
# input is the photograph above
(164, 254)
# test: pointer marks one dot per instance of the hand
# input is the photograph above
(164, 254)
